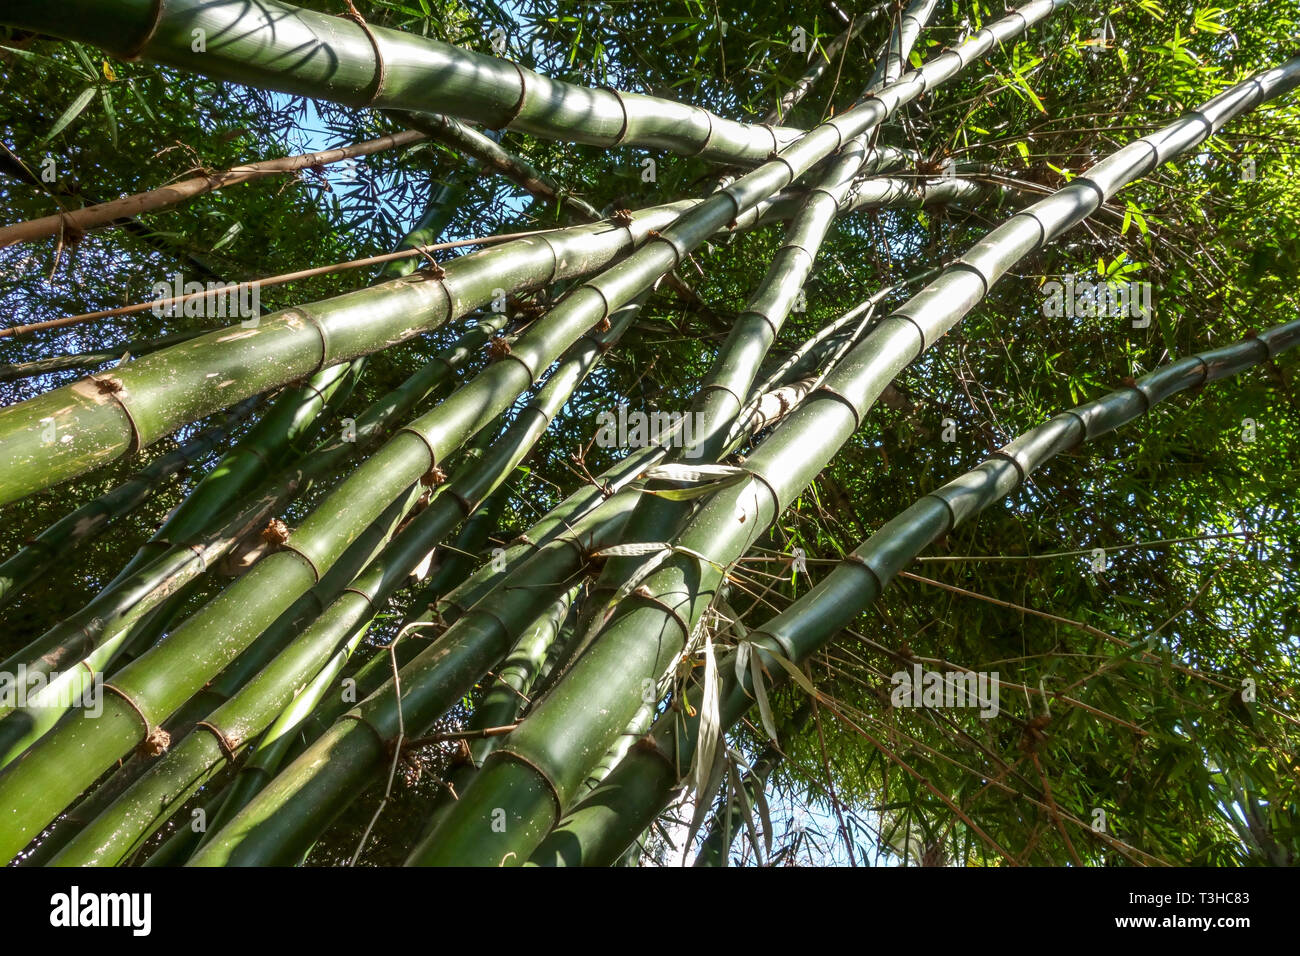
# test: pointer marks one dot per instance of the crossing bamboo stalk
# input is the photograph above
(102, 214)
(534, 774)
(106, 416)
(598, 829)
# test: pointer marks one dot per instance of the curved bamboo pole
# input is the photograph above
(597, 830)
(278, 46)
(540, 765)
(105, 213)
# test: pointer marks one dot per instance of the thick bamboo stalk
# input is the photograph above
(721, 397)
(102, 214)
(278, 437)
(116, 608)
(117, 412)
(97, 633)
(587, 520)
(541, 764)
(283, 820)
(160, 681)
(144, 400)
(596, 831)
(94, 516)
(507, 695)
(281, 47)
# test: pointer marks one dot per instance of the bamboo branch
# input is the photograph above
(83, 220)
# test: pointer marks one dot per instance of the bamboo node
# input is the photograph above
(603, 325)
(433, 477)
(1129, 381)
(108, 386)
(621, 217)
(528, 308)
(156, 744)
(498, 347)
(276, 532)
(1033, 735)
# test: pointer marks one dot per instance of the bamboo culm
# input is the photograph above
(118, 831)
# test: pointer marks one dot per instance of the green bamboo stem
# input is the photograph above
(21, 728)
(87, 521)
(541, 559)
(814, 351)
(597, 830)
(540, 765)
(239, 703)
(105, 213)
(459, 561)
(275, 439)
(117, 831)
(282, 821)
(275, 743)
(373, 66)
(721, 397)
(132, 406)
(507, 695)
(116, 608)
(97, 633)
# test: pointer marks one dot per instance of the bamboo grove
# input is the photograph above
(558, 434)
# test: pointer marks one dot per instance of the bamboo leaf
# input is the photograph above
(71, 113)
(760, 694)
(796, 673)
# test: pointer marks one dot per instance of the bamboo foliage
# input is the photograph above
(598, 829)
